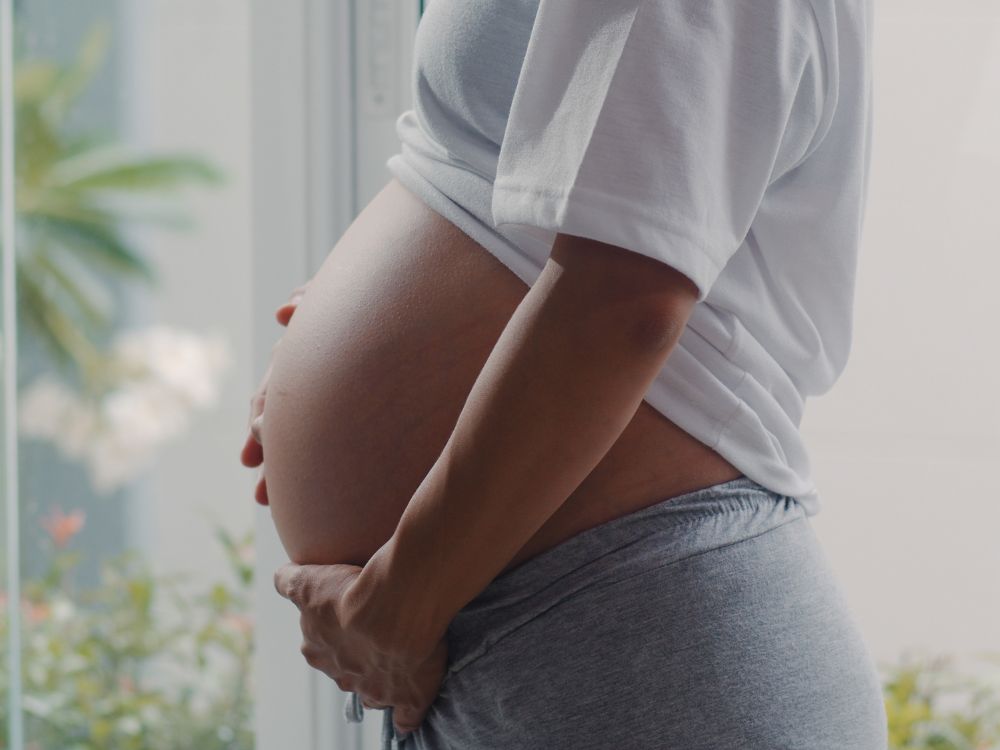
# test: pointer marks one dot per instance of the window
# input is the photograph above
(146, 275)
(131, 523)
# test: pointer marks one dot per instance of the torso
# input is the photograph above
(370, 377)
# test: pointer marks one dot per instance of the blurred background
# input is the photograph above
(171, 169)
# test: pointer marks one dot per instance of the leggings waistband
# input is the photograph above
(659, 534)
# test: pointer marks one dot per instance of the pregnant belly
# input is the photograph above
(372, 373)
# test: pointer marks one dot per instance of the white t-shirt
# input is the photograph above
(726, 138)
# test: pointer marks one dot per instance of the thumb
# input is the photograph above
(301, 584)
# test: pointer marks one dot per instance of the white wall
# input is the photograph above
(906, 447)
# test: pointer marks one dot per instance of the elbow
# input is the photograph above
(658, 323)
(657, 329)
(663, 314)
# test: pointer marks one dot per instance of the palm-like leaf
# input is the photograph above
(92, 242)
(112, 168)
(74, 194)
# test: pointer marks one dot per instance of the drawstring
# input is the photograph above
(354, 712)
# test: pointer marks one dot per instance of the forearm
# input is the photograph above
(560, 386)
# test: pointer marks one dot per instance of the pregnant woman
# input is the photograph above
(531, 436)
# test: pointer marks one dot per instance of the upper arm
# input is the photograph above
(656, 298)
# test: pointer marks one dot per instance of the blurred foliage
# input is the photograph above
(103, 670)
(74, 195)
(931, 704)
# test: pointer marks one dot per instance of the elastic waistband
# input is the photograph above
(657, 535)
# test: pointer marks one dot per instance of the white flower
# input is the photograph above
(165, 374)
(42, 407)
(129, 725)
(186, 363)
(113, 461)
(80, 421)
(144, 411)
(62, 610)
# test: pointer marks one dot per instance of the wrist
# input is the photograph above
(401, 615)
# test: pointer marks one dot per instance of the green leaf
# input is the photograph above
(220, 596)
(57, 328)
(38, 146)
(34, 79)
(87, 208)
(57, 204)
(73, 79)
(114, 169)
(49, 324)
(81, 289)
(141, 593)
(226, 540)
(93, 242)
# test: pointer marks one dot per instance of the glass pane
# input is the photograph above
(133, 373)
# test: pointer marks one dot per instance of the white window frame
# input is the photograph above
(318, 155)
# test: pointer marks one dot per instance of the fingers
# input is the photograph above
(260, 492)
(256, 407)
(284, 313)
(252, 453)
(299, 583)
(406, 719)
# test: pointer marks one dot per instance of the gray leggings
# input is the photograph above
(708, 621)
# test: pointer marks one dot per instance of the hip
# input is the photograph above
(712, 620)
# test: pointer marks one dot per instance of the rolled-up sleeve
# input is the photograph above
(658, 125)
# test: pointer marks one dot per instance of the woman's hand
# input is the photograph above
(253, 450)
(355, 634)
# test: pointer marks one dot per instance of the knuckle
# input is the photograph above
(293, 581)
(288, 581)
(300, 585)
(308, 653)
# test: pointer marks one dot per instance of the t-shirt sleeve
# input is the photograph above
(658, 125)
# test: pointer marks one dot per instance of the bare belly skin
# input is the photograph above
(369, 379)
